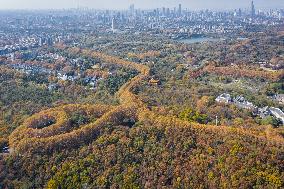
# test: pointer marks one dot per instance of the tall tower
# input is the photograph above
(240, 12)
(113, 25)
(132, 9)
(252, 10)
(179, 9)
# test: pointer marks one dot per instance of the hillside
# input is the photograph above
(132, 146)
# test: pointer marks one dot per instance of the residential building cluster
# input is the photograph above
(242, 103)
(29, 42)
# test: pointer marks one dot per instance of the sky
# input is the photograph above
(142, 4)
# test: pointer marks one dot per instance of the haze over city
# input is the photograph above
(145, 4)
(141, 94)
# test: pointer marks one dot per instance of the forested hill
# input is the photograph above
(131, 146)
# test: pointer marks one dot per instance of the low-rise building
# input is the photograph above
(279, 98)
(53, 87)
(241, 102)
(224, 98)
(263, 112)
(154, 81)
(277, 113)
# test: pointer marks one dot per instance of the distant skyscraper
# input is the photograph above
(252, 9)
(240, 12)
(281, 14)
(235, 13)
(40, 42)
(164, 11)
(132, 9)
(113, 25)
(49, 41)
(179, 9)
(168, 12)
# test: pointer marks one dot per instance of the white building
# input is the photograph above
(224, 98)
(277, 113)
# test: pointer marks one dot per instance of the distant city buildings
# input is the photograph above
(31, 30)
(24, 31)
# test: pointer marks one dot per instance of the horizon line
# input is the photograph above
(126, 9)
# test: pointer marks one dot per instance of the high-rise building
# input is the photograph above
(113, 25)
(240, 12)
(132, 9)
(164, 11)
(179, 9)
(252, 9)
(49, 41)
(40, 42)
(281, 14)
(168, 12)
(235, 13)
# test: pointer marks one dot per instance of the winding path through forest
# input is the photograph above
(33, 136)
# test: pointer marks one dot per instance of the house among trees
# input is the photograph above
(277, 113)
(241, 102)
(224, 98)
(279, 98)
(53, 87)
(5, 150)
(154, 81)
(263, 112)
(96, 66)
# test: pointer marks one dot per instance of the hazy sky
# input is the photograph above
(123, 4)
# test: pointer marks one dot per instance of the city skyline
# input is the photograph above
(146, 4)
